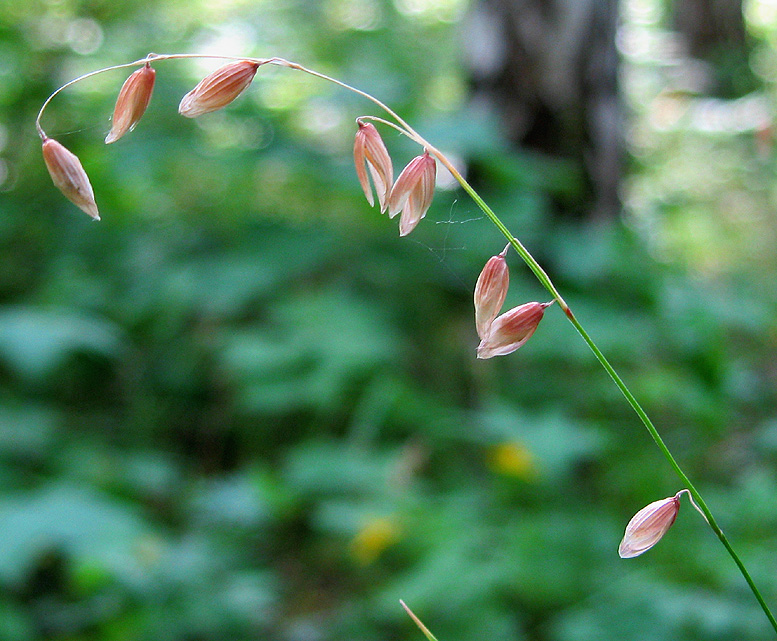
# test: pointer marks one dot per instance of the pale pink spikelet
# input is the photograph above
(413, 191)
(647, 526)
(369, 152)
(218, 89)
(511, 330)
(490, 292)
(69, 176)
(131, 104)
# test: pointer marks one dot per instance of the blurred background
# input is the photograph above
(241, 408)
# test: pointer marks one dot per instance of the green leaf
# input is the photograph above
(36, 342)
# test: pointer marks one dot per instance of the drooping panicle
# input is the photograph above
(413, 191)
(218, 89)
(511, 330)
(69, 176)
(490, 292)
(369, 151)
(131, 104)
(648, 526)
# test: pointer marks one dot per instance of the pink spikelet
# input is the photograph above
(413, 191)
(218, 89)
(369, 153)
(69, 176)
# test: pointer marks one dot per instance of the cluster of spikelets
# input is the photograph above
(502, 334)
(215, 91)
(411, 193)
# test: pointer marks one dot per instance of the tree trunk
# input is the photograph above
(550, 67)
(710, 25)
(714, 31)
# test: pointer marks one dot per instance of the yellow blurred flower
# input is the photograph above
(512, 458)
(373, 538)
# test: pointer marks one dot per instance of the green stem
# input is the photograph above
(417, 621)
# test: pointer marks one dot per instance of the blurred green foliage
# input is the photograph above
(240, 408)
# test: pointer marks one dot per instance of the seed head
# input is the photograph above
(69, 176)
(412, 192)
(131, 104)
(368, 148)
(490, 292)
(648, 526)
(511, 330)
(218, 89)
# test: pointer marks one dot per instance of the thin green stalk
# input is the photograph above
(418, 622)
